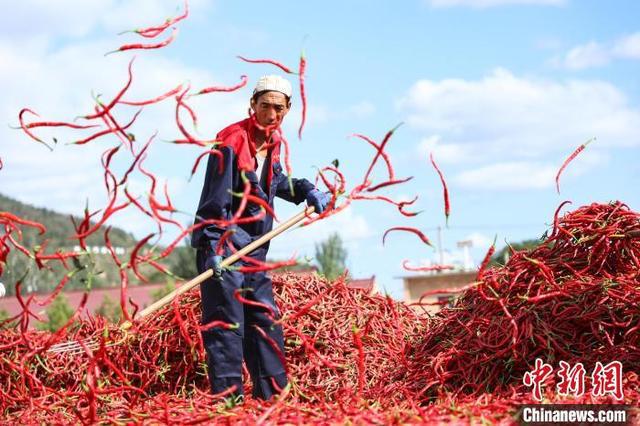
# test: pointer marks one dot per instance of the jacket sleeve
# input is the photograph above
(301, 188)
(215, 199)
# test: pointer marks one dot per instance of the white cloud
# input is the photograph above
(481, 4)
(522, 175)
(586, 56)
(628, 47)
(504, 117)
(508, 176)
(596, 54)
(77, 18)
(505, 129)
(452, 153)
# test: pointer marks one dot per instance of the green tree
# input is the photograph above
(331, 257)
(163, 291)
(501, 257)
(109, 309)
(58, 313)
(183, 262)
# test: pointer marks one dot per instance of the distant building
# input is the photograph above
(367, 284)
(141, 295)
(416, 285)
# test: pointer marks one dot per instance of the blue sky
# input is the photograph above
(501, 91)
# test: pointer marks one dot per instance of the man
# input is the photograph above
(250, 149)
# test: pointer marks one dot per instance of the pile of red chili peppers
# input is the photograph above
(353, 356)
(574, 298)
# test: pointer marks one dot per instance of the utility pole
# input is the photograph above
(440, 253)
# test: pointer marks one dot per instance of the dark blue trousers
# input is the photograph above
(226, 349)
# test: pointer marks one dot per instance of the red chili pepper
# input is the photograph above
(215, 152)
(124, 284)
(107, 131)
(26, 129)
(384, 155)
(148, 174)
(13, 218)
(383, 144)
(268, 61)
(388, 183)
(59, 124)
(221, 324)
(405, 265)
(243, 199)
(108, 213)
(143, 46)
(274, 346)
(447, 206)
(137, 203)
(186, 232)
(407, 229)
(361, 364)
(243, 82)
(183, 130)
(573, 155)
(115, 128)
(485, 261)
(134, 258)
(181, 325)
(555, 216)
(115, 100)
(237, 294)
(287, 163)
(162, 97)
(152, 32)
(136, 159)
(301, 70)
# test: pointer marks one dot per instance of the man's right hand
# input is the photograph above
(319, 200)
(214, 262)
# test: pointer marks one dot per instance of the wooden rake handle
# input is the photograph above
(158, 304)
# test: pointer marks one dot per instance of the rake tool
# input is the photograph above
(76, 347)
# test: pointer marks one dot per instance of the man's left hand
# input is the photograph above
(318, 200)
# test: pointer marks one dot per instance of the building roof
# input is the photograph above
(140, 294)
(368, 284)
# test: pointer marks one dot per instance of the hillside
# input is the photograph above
(96, 269)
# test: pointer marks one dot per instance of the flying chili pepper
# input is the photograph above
(157, 99)
(447, 206)
(152, 32)
(408, 229)
(405, 265)
(268, 61)
(243, 82)
(303, 96)
(26, 129)
(143, 46)
(573, 155)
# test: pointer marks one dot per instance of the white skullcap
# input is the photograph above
(275, 83)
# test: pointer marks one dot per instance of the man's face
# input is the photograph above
(270, 108)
